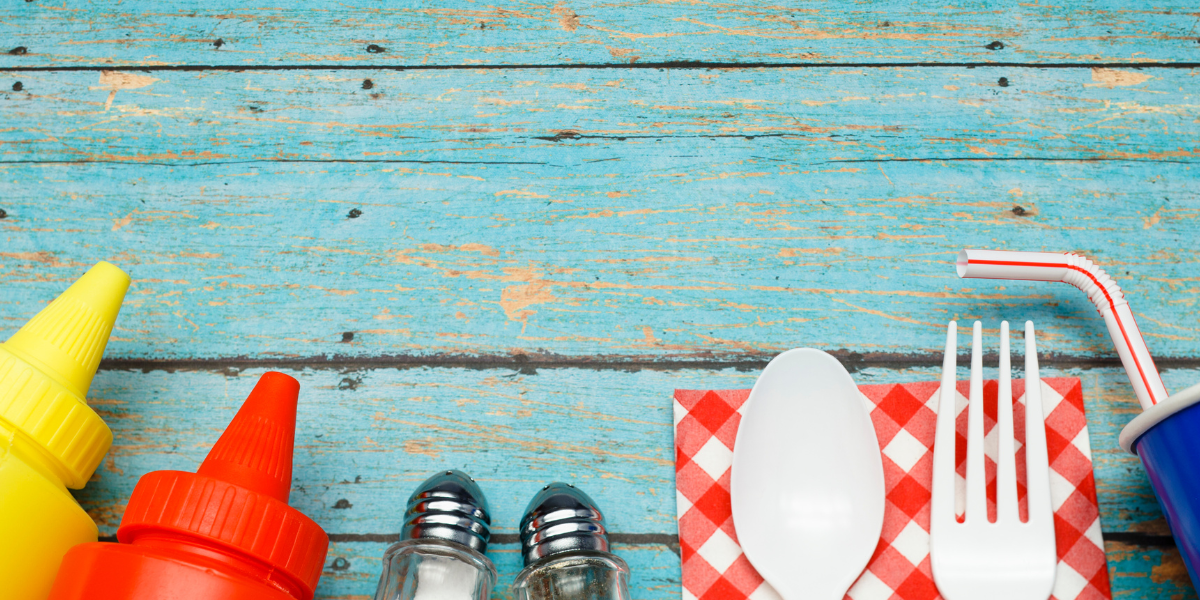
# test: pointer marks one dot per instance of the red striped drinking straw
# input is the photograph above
(1101, 290)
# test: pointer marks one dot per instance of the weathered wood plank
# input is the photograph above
(365, 437)
(460, 32)
(666, 234)
(265, 260)
(572, 123)
(1138, 572)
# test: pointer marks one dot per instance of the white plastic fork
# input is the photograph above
(977, 559)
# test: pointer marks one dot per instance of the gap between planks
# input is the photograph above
(620, 66)
(276, 161)
(530, 363)
(503, 539)
(672, 541)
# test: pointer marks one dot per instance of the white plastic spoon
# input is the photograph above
(807, 481)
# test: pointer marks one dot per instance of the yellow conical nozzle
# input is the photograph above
(48, 365)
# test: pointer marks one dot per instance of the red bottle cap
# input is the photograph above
(237, 500)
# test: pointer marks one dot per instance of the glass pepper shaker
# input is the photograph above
(564, 543)
(440, 555)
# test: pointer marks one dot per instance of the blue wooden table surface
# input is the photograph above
(497, 237)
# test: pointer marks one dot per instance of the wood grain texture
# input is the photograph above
(462, 32)
(366, 437)
(1140, 572)
(561, 217)
(234, 261)
(548, 124)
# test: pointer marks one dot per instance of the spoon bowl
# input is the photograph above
(807, 482)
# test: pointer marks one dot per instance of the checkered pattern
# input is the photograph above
(714, 567)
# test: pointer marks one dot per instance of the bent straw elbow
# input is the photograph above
(1105, 294)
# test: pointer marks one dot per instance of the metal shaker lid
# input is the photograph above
(448, 506)
(561, 518)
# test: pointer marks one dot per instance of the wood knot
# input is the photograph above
(995, 46)
(1019, 211)
(354, 213)
(220, 42)
(368, 84)
(1003, 82)
(19, 50)
(343, 504)
(18, 86)
(3, 214)
(376, 49)
(340, 564)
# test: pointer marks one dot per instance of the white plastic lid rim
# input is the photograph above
(1155, 415)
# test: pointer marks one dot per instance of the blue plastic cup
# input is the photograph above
(1167, 439)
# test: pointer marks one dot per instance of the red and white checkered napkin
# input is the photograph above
(714, 567)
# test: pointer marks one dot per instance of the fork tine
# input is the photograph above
(1036, 464)
(942, 499)
(976, 478)
(1007, 510)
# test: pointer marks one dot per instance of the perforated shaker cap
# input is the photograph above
(237, 500)
(449, 506)
(561, 518)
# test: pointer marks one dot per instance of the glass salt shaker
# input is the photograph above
(564, 544)
(440, 555)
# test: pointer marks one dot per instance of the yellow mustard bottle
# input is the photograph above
(50, 440)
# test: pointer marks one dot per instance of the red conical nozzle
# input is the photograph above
(232, 511)
(255, 452)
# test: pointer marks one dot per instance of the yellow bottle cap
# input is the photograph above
(47, 367)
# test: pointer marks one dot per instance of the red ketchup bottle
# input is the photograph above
(224, 532)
